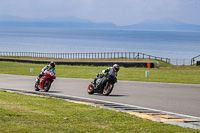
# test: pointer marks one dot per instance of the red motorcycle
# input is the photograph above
(45, 82)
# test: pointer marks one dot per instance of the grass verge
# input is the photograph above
(21, 113)
(166, 73)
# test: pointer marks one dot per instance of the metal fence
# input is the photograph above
(195, 59)
(102, 55)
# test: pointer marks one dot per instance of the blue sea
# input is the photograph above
(167, 44)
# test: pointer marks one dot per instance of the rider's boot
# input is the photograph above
(38, 80)
(39, 77)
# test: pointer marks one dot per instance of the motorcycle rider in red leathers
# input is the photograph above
(111, 71)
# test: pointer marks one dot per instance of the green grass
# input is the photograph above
(166, 73)
(19, 113)
(23, 114)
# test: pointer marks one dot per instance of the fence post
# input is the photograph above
(193, 61)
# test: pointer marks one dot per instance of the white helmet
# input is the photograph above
(116, 67)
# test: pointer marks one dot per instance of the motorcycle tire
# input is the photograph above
(90, 89)
(108, 89)
(47, 86)
(36, 87)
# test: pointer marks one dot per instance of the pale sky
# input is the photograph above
(119, 12)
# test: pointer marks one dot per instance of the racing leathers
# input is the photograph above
(109, 71)
(46, 69)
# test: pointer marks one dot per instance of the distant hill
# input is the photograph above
(54, 22)
(73, 22)
(163, 24)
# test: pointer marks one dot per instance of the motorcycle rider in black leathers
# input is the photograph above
(48, 68)
(111, 71)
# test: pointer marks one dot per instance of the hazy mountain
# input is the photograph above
(163, 24)
(9, 18)
(54, 22)
(73, 22)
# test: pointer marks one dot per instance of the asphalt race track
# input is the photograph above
(176, 98)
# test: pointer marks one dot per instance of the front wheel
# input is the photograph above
(108, 89)
(90, 89)
(36, 86)
(47, 85)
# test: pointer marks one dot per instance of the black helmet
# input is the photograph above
(116, 67)
(52, 64)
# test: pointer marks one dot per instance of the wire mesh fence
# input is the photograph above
(180, 62)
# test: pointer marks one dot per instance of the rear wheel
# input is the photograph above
(108, 89)
(47, 85)
(90, 89)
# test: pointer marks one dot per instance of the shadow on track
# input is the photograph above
(117, 95)
(111, 95)
(54, 91)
